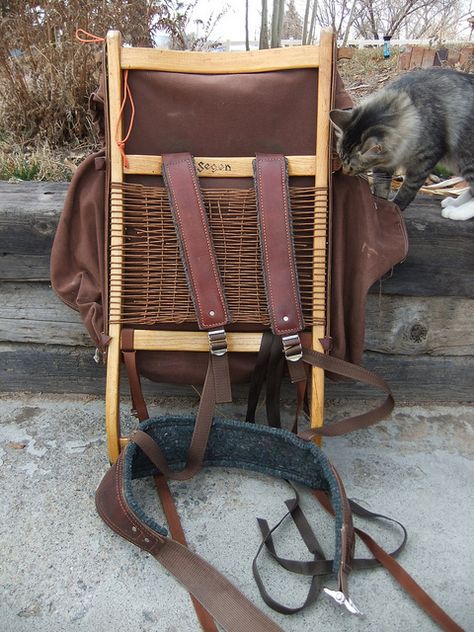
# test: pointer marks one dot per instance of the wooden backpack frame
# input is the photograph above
(121, 59)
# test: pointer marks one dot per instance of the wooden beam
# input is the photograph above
(440, 259)
(396, 325)
(225, 167)
(29, 213)
(57, 369)
(222, 63)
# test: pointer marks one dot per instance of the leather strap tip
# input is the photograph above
(326, 343)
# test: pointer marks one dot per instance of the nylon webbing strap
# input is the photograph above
(387, 560)
(224, 602)
(130, 359)
(197, 252)
(177, 533)
(202, 427)
(278, 256)
(354, 372)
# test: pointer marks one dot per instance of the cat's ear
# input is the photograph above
(340, 119)
(372, 147)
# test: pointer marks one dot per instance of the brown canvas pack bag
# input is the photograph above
(368, 236)
(177, 116)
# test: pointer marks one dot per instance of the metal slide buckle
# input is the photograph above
(292, 347)
(217, 342)
(341, 600)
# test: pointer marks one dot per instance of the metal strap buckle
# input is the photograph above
(292, 347)
(342, 600)
(217, 342)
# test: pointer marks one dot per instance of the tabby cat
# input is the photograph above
(421, 118)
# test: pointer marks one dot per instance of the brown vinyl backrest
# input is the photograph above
(223, 108)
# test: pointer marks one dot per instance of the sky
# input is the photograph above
(232, 25)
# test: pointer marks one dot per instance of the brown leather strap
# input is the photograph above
(319, 565)
(225, 603)
(276, 243)
(322, 567)
(130, 359)
(407, 582)
(274, 379)
(177, 533)
(346, 369)
(198, 258)
(202, 427)
(197, 251)
(258, 376)
(278, 254)
(399, 573)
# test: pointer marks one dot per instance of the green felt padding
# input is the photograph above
(235, 444)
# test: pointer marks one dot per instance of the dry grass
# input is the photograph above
(46, 77)
(29, 160)
(368, 71)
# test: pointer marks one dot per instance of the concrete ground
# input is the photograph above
(62, 569)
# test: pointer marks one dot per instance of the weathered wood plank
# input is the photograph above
(29, 213)
(437, 325)
(440, 261)
(57, 369)
(32, 313)
(416, 378)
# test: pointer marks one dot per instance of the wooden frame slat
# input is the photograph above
(220, 63)
(155, 340)
(216, 167)
(112, 388)
(323, 133)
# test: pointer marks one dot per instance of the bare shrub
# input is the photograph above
(46, 75)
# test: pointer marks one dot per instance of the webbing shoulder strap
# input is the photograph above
(224, 602)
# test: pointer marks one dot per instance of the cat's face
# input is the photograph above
(359, 151)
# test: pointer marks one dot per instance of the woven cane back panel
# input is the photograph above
(153, 284)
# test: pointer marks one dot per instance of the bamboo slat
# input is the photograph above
(148, 340)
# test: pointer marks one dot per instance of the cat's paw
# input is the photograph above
(463, 212)
(456, 201)
(447, 202)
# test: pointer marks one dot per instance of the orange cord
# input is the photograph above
(126, 93)
(92, 39)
